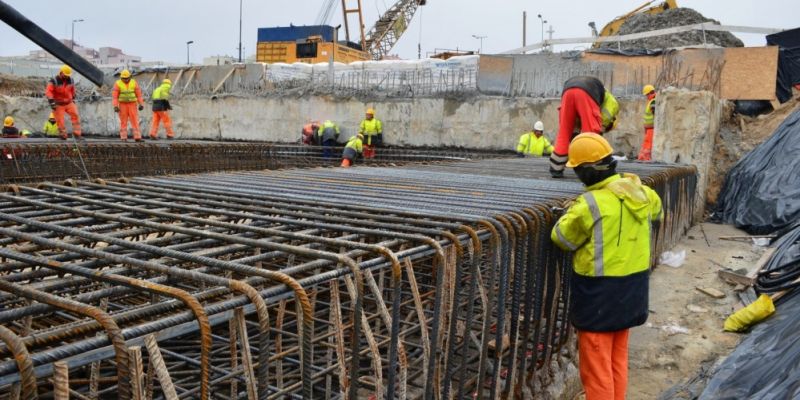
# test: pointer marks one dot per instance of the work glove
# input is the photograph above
(141, 107)
(116, 109)
(52, 103)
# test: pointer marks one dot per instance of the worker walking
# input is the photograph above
(352, 149)
(60, 94)
(609, 229)
(161, 109)
(645, 153)
(372, 129)
(9, 130)
(127, 101)
(534, 143)
(50, 127)
(586, 106)
(328, 135)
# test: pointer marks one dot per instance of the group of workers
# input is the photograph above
(126, 99)
(585, 107)
(364, 143)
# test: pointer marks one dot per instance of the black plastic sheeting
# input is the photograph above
(788, 61)
(766, 364)
(782, 269)
(752, 108)
(761, 193)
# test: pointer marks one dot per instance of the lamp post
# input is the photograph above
(481, 39)
(72, 39)
(240, 31)
(544, 21)
(187, 51)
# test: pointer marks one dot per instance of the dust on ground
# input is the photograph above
(661, 353)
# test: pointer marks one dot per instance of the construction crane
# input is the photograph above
(380, 40)
(612, 28)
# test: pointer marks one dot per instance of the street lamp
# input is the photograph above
(72, 40)
(481, 39)
(240, 31)
(544, 21)
(187, 51)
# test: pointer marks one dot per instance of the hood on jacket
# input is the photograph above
(629, 189)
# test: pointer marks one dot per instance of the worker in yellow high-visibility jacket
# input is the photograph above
(534, 143)
(609, 229)
(372, 129)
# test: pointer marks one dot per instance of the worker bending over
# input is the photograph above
(310, 133)
(127, 101)
(645, 153)
(609, 229)
(327, 136)
(50, 127)
(352, 149)
(9, 130)
(372, 129)
(586, 106)
(60, 94)
(534, 143)
(161, 109)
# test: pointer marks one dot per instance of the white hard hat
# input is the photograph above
(538, 126)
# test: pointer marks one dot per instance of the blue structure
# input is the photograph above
(295, 33)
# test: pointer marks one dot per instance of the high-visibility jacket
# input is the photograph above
(369, 128)
(609, 229)
(126, 93)
(328, 131)
(161, 97)
(62, 91)
(608, 111)
(50, 128)
(535, 146)
(354, 146)
(649, 113)
(609, 107)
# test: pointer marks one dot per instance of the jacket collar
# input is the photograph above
(604, 182)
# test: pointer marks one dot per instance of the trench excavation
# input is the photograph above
(414, 282)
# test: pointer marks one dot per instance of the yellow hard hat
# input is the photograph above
(66, 70)
(52, 116)
(167, 81)
(125, 74)
(371, 111)
(588, 148)
(360, 135)
(647, 89)
(9, 121)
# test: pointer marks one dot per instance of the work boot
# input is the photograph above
(139, 140)
(63, 137)
(556, 174)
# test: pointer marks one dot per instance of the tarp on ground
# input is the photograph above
(788, 61)
(761, 193)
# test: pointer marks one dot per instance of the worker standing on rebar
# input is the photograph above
(609, 229)
(352, 149)
(50, 127)
(60, 94)
(127, 101)
(645, 153)
(534, 143)
(328, 135)
(372, 129)
(161, 109)
(309, 133)
(585, 104)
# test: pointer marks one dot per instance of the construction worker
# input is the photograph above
(161, 109)
(585, 104)
(60, 94)
(609, 229)
(372, 129)
(310, 133)
(9, 130)
(352, 149)
(328, 135)
(50, 127)
(127, 101)
(645, 153)
(534, 143)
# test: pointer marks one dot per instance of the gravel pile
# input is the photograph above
(668, 19)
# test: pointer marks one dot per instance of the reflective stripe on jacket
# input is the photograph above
(530, 144)
(370, 128)
(126, 93)
(649, 113)
(609, 229)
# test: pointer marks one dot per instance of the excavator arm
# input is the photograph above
(391, 25)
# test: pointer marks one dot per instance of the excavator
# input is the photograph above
(380, 39)
(612, 28)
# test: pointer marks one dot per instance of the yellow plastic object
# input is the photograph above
(750, 315)
(588, 148)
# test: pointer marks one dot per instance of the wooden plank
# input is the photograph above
(137, 372)
(730, 276)
(749, 73)
(222, 82)
(160, 368)
(761, 262)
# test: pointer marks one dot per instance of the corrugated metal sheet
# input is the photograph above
(292, 33)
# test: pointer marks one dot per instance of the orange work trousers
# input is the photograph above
(158, 117)
(645, 153)
(346, 162)
(603, 364)
(369, 150)
(72, 110)
(128, 111)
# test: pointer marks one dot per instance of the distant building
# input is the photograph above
(219, 60)
(106, 56)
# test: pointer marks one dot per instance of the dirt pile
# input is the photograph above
(11, 85)
(668, 19)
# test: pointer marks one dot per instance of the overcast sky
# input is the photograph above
(157, 30)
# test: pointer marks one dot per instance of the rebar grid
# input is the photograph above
(422, 282)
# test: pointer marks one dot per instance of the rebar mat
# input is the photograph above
(421, 282)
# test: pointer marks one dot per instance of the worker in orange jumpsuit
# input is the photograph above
(60, 94)
(127, 100)
(585, 104)
(645, 153)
